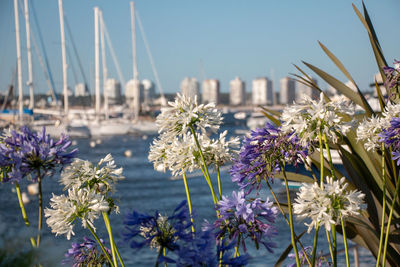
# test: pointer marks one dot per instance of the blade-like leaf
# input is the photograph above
(296, 177)
(339, 64)
(380, 96)
(338, 85)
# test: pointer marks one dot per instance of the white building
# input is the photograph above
(134, 95)
(237, 92)
(190, 88)
(262, 92)
(112, 90)
(81, 90)
(302, 89)
(210, 91)
(288, 91)
(148, 92)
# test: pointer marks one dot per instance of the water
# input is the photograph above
(145, 190)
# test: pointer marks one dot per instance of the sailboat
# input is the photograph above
(62, 125)
(103, 125)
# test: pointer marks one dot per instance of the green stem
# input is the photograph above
(383, 207)
(165, 254)
(207, 174)
(22, 207)
(314, 251)
(40, 209)
(345, 241)
(237, 254)
(334, 260)
(321, 177)
(328, 151)
(328, 237)
(101, 245)
(321, 158)
(188, 200)
(290, 216)
(219, 183)
(389, 222)
(110, 236)
(286, 219)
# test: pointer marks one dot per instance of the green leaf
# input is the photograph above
(380, 96)
(274, 117)
(338, 85)
(286, 252)
(313, 83)
(339, 64)
(296, 177)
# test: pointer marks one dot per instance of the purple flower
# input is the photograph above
(240, 219)
(263, 153)
(85, 254)
(392, 75)
(26, 153)
(391, 138)
(158, 231)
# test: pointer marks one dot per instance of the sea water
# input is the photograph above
(146, 190)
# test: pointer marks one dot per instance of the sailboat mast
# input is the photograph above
(19, 68)
(104, 64)
(133, 26)
(96, 55)
(28, 48)
(64, 57)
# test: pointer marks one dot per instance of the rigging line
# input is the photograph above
(72, 65)
(114, 57)
(150, 55)
(75, 50)
(46, 61)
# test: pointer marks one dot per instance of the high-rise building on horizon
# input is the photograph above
(148, 92)
(288, 91)
(237, 92)
(134, 96)
(302, 89)
(113, 91)
(262, 92)
(81, 89)
(190, 88)
(210, 91)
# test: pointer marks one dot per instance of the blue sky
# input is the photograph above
(231, 38)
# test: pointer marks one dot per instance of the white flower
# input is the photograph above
(310, 117)
(219, 151)
(65, 210)
(325, 205)
(369, 128)
(368, 131)
(101, 177)
(184, 112)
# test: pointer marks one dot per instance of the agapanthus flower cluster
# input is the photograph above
(391, 138)
(86, 254)
(310, 117)
(101, 177)
(80, 204)
(26, 153)
(181, 153)
(158, 231)
(327, 204)
(369, 129)
(184, 113)
(392, 75)
(247, 219)
(263, 153)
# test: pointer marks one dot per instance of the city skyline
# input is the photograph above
(207, 40)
